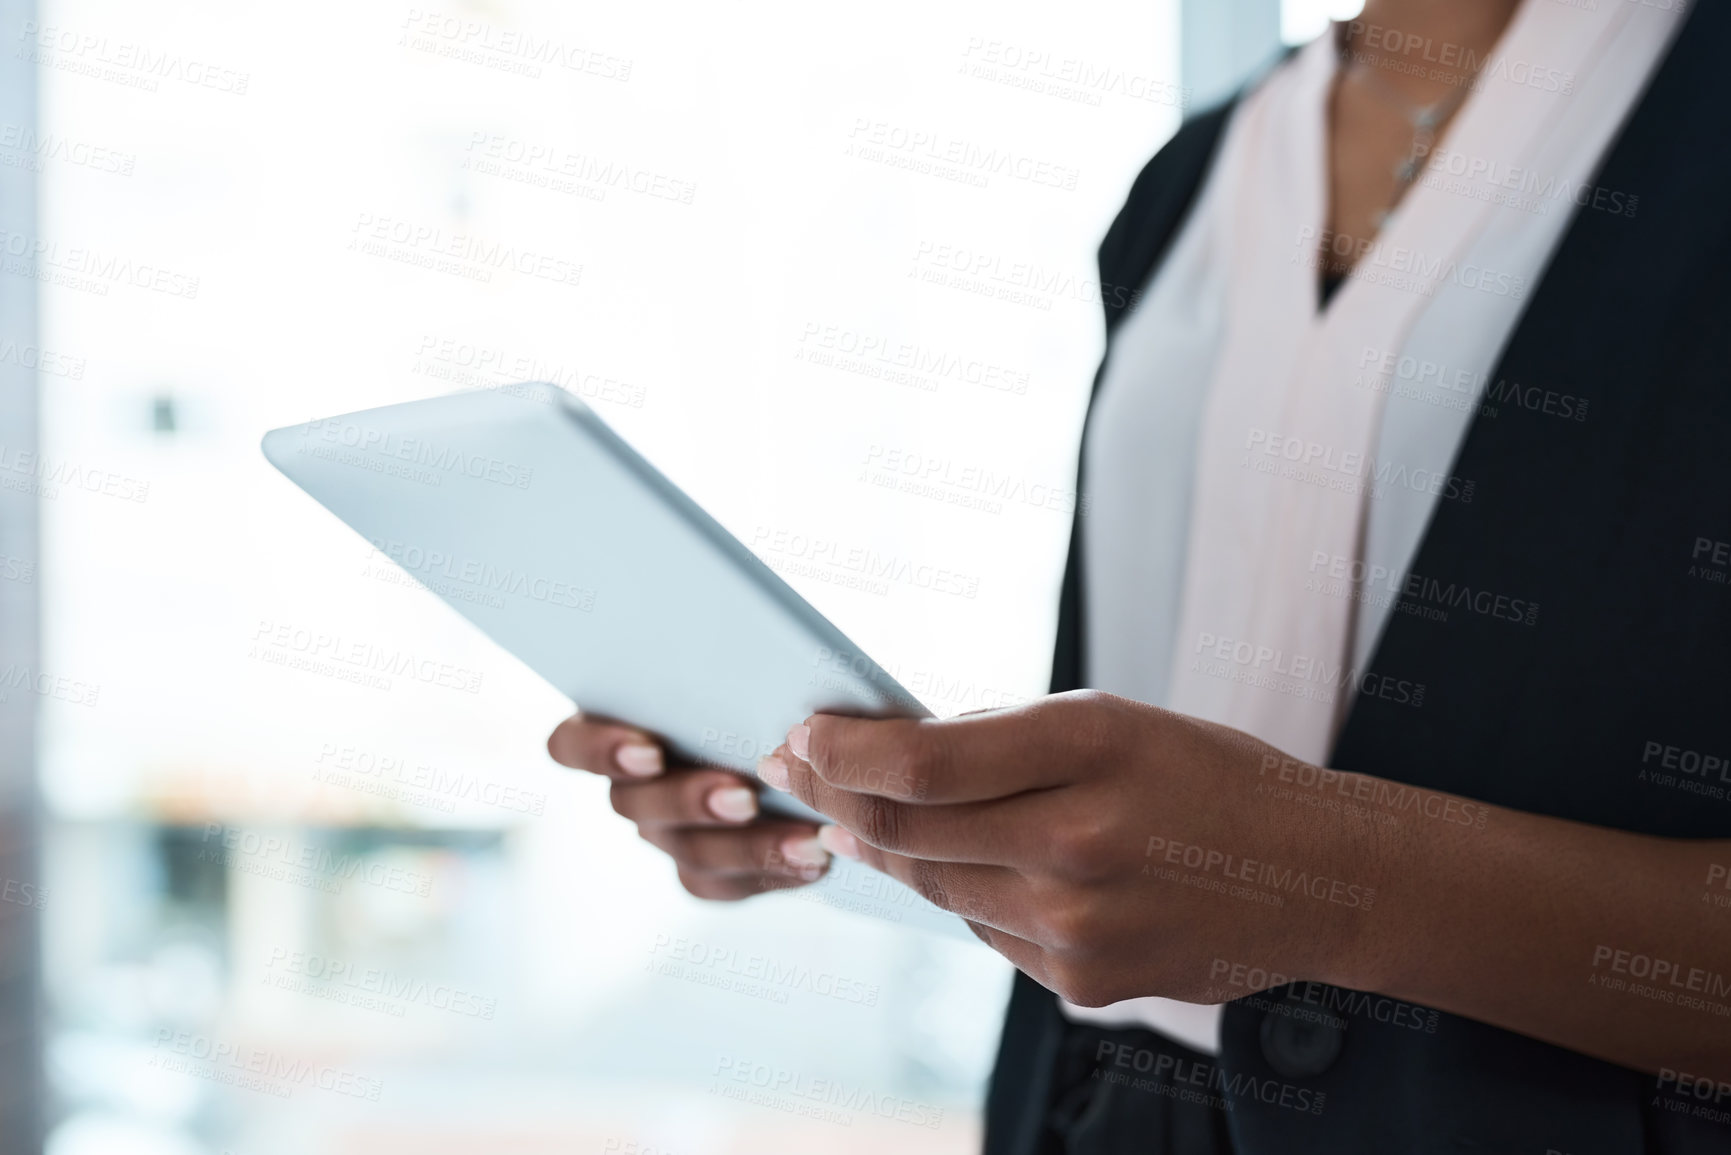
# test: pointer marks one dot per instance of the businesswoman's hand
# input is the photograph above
(1107, 848)
(1112, 850)
(706, 820)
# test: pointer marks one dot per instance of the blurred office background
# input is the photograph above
(830, 268)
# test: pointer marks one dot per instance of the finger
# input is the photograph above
(1025, 956)
(993, 896)
(773, 849)
(978, 832)
(606, 748)
(732, 888)
(965, 759)
(686, 798)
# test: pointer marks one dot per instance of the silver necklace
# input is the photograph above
(1425, 120)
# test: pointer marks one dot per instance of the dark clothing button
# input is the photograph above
(1129, 1089)
(1297, 1048)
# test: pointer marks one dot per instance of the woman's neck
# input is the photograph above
(1427, 48)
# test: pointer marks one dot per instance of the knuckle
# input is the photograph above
(972, 907)
(820, 748)
(925, 759)
(926, 880)
(1094, 719)
(880, 822)
(802, 784)
(1079, 851)
(1068, 925)
(1081, 984)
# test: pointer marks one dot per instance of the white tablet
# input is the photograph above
(538, 523)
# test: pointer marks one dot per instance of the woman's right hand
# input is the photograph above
(706, 820)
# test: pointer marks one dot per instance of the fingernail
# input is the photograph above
(799, 741)
(838, 841)
(773, 771)
(639, 760)
(732, 804)
(804, 852)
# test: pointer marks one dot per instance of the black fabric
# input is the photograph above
(1018, 1098)
(1106, 1090)
(1132, 1089)
(1585, 485)
(1327, 287)
(1593, 517)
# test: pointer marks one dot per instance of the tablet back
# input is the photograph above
(535, 521)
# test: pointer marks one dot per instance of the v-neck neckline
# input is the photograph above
(1430, 227)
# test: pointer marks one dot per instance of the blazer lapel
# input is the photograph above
(1561, 509)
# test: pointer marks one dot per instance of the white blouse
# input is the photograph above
(1261, 472)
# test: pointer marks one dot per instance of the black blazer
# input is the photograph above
(1611, 524)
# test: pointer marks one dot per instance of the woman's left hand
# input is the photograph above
(1107, 848)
